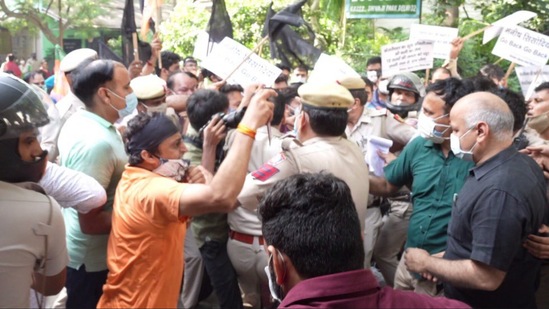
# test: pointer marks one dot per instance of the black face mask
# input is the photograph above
(13, 169)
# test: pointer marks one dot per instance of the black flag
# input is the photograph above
(285, 43)
(128, 19)
(219, 25)
(128, 28)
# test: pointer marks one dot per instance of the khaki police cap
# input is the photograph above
(73, 59)
(148, 87)
(352, 82)
(325, 95)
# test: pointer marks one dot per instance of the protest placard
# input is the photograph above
(507, 21)
(202, 45)
(406, 56)
(527, 76)
(522, 46)
(229, 54)
(330, 69)
(442, 36)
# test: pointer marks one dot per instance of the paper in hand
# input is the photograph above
(376, 162)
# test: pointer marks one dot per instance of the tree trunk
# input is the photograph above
(315, 24)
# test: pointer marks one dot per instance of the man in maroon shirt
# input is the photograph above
(11, 67)
(316, 255)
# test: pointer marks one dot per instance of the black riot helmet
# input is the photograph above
(21, 110)
(409, 82)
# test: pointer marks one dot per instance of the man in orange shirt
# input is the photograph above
(151, 207)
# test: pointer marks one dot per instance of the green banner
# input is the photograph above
(383, 8)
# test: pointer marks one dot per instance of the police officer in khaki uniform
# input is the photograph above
(150, 91)
(320, 146)
(245, 245)
(33, 250)
(365, 120)
(362, 124)
(406, 92)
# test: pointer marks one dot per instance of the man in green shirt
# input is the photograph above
(90, 143)
(434, 175)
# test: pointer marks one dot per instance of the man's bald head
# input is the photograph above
(489, 108)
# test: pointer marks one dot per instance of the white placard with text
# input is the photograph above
(523, 47)
(228, 54)
(406, 56)
(442, 36)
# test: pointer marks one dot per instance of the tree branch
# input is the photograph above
(30, 16)
(48, 8)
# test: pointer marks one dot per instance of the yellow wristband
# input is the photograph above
(245, 130)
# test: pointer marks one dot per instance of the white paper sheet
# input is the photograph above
(373, 159)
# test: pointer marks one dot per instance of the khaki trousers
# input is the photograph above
(405, 280)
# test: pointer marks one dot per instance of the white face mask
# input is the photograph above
(156, 109)
(427, 128)
(372, 76)
(173, 168)
(296, 122)
(382, 87)
(455, 145)
(273, 287)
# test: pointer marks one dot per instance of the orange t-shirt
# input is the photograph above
(145, 250)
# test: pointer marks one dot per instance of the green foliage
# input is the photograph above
(115, 44)
(493, 10)
(361, 41)
(179, 32)
(358, 40)
(36, 15)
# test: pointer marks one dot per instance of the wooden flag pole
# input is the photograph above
(158, 21)
(499, 60)
(427, 73)
(135, 47)
(256, 49)
(472, 34)
(508, 73)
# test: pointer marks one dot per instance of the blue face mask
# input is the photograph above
(131, 104)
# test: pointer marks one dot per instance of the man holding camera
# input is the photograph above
(211, 230)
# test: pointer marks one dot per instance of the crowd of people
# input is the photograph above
(163, 186)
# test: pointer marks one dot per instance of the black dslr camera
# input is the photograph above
(231, 120)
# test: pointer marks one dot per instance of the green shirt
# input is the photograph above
(90, 144)
(434, 180)
(211, 226)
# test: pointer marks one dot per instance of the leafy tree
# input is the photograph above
(35, 14)
(354, 41)
(493, 10)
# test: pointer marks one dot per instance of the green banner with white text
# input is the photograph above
(382, 8)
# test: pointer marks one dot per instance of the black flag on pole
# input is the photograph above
(286, 43)
(219, 26)
(129, 27)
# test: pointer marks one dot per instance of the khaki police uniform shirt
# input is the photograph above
(381, 123)
(241, 219)
(335, 155)
(27, 218)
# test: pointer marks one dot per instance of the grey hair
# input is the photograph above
(500, 121)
